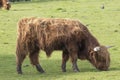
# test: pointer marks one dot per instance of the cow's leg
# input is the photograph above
(73, 52)
(20, 56)
(65, 57)
(74, 65)
(34, 58)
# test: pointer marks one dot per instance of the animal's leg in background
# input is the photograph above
(65, 57)
(20, 56)
(73, 51)
(34, 58)
(74, 63)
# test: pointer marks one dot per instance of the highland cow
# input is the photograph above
(49, 34)
(5, 4)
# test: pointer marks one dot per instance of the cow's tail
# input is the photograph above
(21, 48)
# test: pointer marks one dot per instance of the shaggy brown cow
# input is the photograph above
(48, 34)
(5, 4)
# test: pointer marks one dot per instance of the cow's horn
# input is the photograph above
(96, 48)
(109, 46)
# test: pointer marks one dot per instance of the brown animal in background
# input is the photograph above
(48, 34)
(5, 4)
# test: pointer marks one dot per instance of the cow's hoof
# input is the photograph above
(63, 70)
(76, 70)
(19, 72)
(41, 71)
(39, 68)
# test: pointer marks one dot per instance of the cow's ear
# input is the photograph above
(108, 47)
(96, 49)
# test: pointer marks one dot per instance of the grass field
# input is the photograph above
(103, 23)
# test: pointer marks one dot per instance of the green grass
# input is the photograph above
(103, 23)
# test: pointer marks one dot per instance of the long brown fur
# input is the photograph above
(49, 34)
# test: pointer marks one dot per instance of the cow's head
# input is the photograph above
(100, 57)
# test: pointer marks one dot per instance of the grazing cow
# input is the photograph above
(5, 4)
(48, 34)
